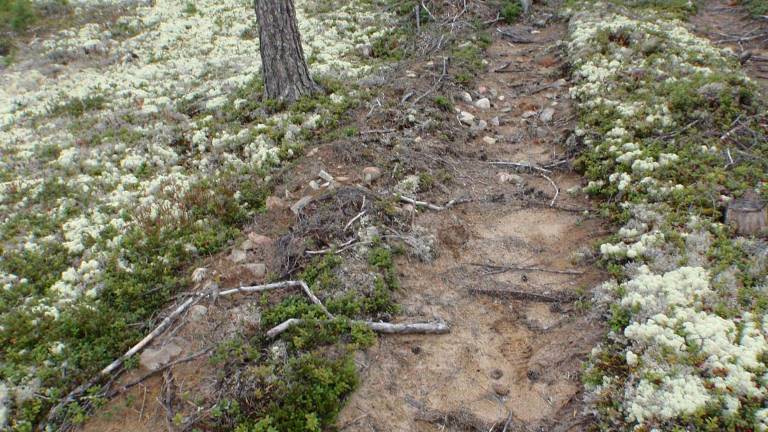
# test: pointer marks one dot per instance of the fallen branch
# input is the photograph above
(527, 165)
(378, 327)
(421, 203)
(112, 367)
(126, 387)
(557, 189)
(519, 295)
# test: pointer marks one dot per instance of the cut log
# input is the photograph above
(748, 215)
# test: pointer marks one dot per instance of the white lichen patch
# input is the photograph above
(687, 351)
(108, 141)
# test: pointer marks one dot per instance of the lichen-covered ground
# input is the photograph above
(135, 147)
(128, 150)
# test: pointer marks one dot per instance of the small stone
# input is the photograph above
(314, 185)
(482, 124)
(247, 245)
(153, 359)
(483, 104)
(496, 374)
(503, 177)
(495, 122)
(529, 114)
(371, 174)
(547, 115)
(325, 176)
(342, 179)
(274, 203)
(500, 389)
(258, 270)
(488, 140)
(466, 97)
(238, 256)
(410, 74)
(300, 204)
(259, 241)
(466, 118)
(482, 89)
(197, 312)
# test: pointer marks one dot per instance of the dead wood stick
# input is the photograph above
(420, 203)
(438, 327)
(518, 295)
(557, 189)
(112, 367)
(527, 268)
(521, 165)
(124, 388)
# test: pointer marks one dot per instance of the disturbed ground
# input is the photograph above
(510, 361)
(506, 358)
(731, 26)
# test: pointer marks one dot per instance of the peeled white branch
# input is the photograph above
(438, 327)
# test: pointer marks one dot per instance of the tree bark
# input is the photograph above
(285, 72)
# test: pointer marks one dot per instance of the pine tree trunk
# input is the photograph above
(285, 72)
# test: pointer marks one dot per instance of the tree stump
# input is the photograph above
(748, 214)
(285, 72)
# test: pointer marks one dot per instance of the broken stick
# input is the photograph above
(438, 327)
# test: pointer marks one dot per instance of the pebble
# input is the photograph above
(153, 359)
(370, 174)
(300, 204)
(258, 270)
(466, 118)
(529, 114)
(496, 374)
(495, 122)
(325, 176)
(314, 185)
(466, 97)
(500, 389)
(488, 140)
(237, 256)
(547, 115)
(483, 104)
(197, 312)
(503, 177)
(259, 240)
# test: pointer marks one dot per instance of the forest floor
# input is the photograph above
(507, 256)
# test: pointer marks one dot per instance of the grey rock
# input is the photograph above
(258, 270)
(500, 389)
(237, 256)
(153, 359)
(547, 115)
(300, 204)
(465, 97)
(371, 174)
(197, 313)
(466, 118)
(483, 104)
